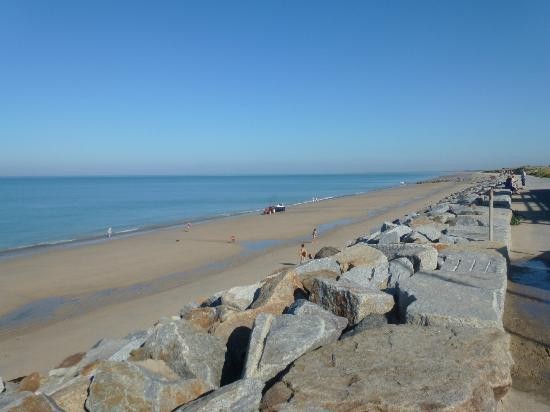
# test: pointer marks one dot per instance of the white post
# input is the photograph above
(491, 214)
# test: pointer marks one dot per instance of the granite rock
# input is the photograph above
(348, 299)
(189, 351)
(240, 297)
(459, 369)
(423, 257)
(241, 396)
(326, 251)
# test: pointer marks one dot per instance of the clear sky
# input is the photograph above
(178, 87)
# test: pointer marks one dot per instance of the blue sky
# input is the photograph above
(181, 87)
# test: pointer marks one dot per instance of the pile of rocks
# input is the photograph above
(408, 317)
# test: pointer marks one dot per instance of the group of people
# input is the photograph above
(511, 182)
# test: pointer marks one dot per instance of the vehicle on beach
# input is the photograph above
(272, 209)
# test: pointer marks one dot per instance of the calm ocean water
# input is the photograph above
(48, 210)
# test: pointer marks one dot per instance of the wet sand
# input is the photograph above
(62, 301)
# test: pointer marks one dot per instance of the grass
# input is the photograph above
(542, 171)
(516, 218)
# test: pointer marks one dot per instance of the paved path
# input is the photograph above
(527, 311)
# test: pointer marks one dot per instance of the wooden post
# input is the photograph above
(491, 214)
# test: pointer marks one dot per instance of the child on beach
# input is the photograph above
(303, 253)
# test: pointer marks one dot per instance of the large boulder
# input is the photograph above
(27, 402)
(432, 231)
(317, 265)
(362, 256)
(440, 298)
(326, 251)
(458, 369)
(202, 317)
(305, 307)
(243, 396)
(277, 341)
(72, 396)
(240, 297)
(394, 234)
(125, 386)
(423, 257)
(189, 351)
(400, 268)
(348, 299)
(278, 291)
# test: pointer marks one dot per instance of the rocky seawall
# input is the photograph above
(406, 318)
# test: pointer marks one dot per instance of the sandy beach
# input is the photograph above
(62, 301)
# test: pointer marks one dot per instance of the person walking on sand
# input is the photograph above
(109, 232)
(188, 227)
(314, 235)
(303, 253)
(523, 177)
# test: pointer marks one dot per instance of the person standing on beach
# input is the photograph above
(109, 232)
(303, 253)
(188, 227)
(314, 235)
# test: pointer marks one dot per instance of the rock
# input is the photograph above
(2, 387)
(305, 307)
(31, 383)
(423, 257)
(452, 240)
(371, 321)
(188, 307)
(278, 291)
(389, 236)
(277, 341)
(318, 265)
(399, 268)
(243, 396)
(240, 297)
(437, 298)
(213, 300)
(444, 218)
(485, 269)
(387, 226)
(350, 300)
(397, 232)
(133, 341)
(188, 351)
(362, 255)
(71, 398)
(307, 278)
(431, 231)
(326, 251)
(438, 210)
(458, 369)
(472, 220)
(123, 386)
(415, 237)
(28, 402)
(202, 317)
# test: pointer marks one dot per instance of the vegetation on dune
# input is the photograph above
(538, 171)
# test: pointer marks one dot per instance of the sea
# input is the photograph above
(38, 212)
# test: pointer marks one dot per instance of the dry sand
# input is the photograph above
(126, 284)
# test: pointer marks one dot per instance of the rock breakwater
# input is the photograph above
(408, 317)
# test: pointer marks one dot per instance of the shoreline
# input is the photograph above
(83, 240)
(68, 274)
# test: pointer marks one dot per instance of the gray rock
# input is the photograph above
(472, 220)
(288, 337)
(187, 308)
(485, 269)
(326, 251)
(459, 369)
(387, 226)
(389, 236)
(415, 237)
(400, 268)
(134, 341)
(316, 265)
(363, 264)
(240, 297)
(423, 257)
(453, 240)
(439, 209)
(214, 300)
(350, 300)
(2, 387)
(437, 298)
(431, 231)
(187, 350)
(305, 307)
(27, 401)
(241, 396)
(445, 217)
(372, 321)
(126, 386)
